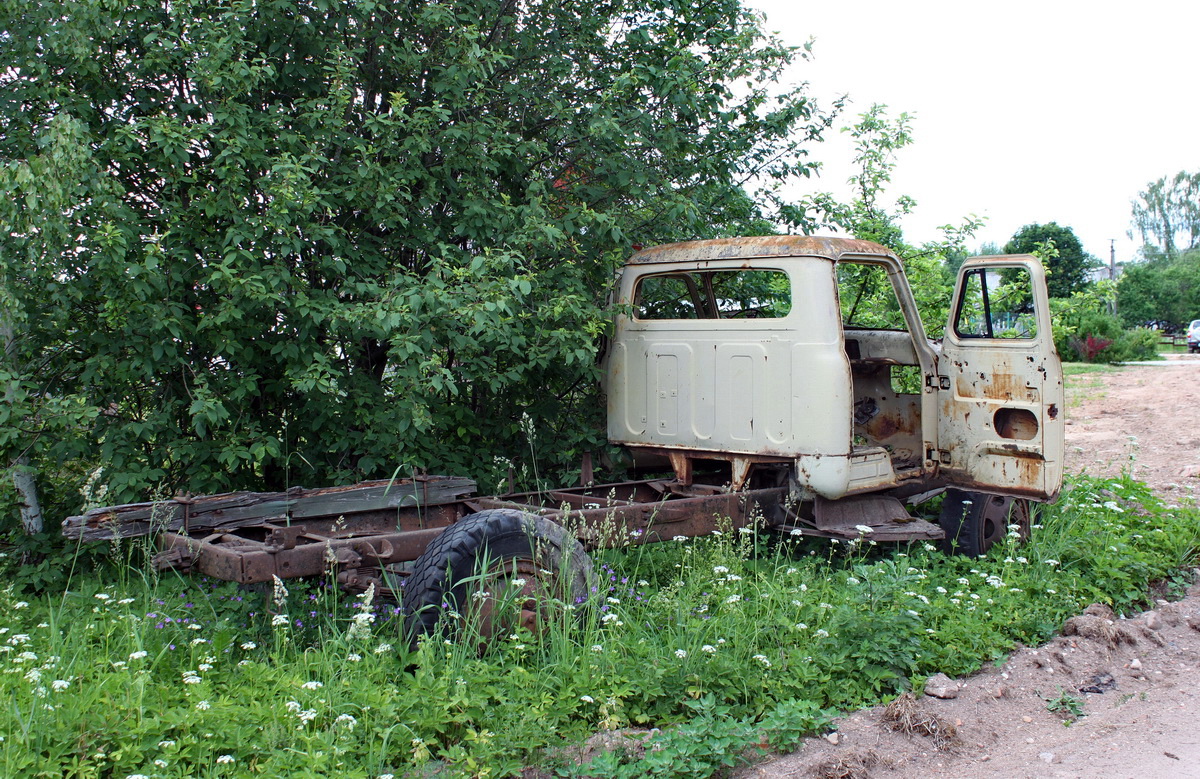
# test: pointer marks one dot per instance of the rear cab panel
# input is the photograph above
(770, 376)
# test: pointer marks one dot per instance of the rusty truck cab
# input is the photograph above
(806, 356)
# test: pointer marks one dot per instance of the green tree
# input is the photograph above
(1167, 214)
(1163, 290)
(930, 267)
(1066, 267)
(264, 242)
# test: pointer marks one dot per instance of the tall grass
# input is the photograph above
(733, 640)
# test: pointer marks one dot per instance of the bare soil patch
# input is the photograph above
(1136, 681)
(1140, 419)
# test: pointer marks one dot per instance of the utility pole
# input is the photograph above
(1112, 269)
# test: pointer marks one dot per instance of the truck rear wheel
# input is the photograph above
(975, 521)
(495, 571)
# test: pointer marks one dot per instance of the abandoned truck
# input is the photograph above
(783, 382)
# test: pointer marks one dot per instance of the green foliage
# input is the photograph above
(1164, 290)
(1167, 214)
(268, 243)
(1084, 315)
(877, 141)
(930, 267)
(1066, 706)
(1066, 265)
(730, 644)
(1097, 336)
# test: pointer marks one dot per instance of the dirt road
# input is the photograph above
(1142, 719)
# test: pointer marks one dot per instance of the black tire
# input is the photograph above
(975, 521)
(443, 592)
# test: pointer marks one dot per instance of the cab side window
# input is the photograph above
(996, 303)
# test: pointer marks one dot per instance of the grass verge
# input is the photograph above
(734, 644)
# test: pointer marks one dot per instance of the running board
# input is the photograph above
(885, 516)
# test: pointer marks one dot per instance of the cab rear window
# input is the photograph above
(714, 294)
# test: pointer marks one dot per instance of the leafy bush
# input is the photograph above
(1099, 337)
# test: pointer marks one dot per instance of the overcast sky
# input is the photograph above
(1024, 111)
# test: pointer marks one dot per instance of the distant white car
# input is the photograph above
(1193, 337)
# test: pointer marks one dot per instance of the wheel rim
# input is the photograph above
(515, 593)
(998, 514)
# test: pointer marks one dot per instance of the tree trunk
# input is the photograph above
(22, 471)
(31, 508)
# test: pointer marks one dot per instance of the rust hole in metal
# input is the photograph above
(1018, 423)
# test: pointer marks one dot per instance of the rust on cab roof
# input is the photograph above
(760, 246)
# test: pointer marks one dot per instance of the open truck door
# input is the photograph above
(1000, 382)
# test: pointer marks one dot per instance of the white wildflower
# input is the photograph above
(203, 706)
(279, 592)
(763, 659)
(708, 649)
(138, 655)
(279, 620)
(681, 653)
(313, 685)
(225, 759)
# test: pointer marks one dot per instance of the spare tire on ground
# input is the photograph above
(493, 572)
